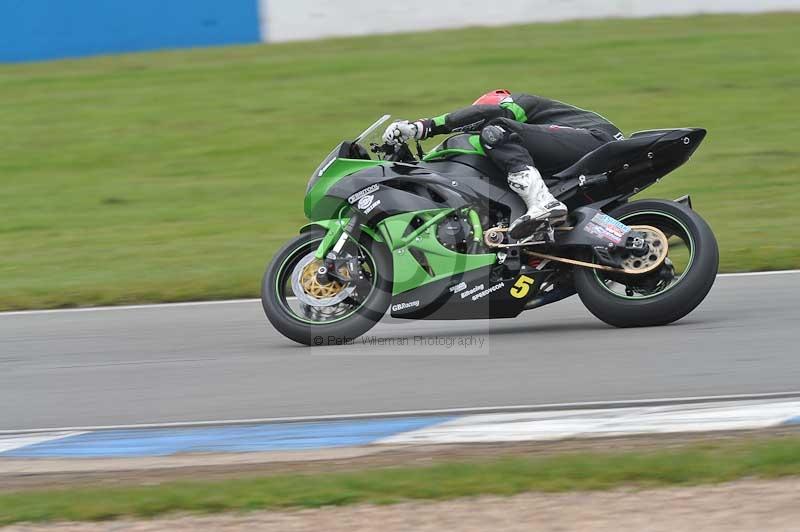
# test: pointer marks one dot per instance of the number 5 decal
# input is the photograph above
(522, 287)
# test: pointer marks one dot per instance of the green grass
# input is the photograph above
(175, 176)
(698, 464)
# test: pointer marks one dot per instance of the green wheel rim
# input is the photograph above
(677, 281)
(280, 276)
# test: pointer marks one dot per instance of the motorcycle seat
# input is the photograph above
(615, 154)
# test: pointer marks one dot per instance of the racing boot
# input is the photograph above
(542, 206)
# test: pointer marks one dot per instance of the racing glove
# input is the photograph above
(402, 131)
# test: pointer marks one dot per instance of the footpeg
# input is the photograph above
(544, 234)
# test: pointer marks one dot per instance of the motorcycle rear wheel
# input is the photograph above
(667, 294)
(336, 324)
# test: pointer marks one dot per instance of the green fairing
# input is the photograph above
(328, 241)
(474, 140)
(317, 206)
(443, 263)
(394, 231)
(333, 230)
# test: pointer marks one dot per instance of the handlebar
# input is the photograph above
(384, 149)
(394, 152)
(390, 152)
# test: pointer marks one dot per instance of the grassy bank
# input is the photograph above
(174, 176)
(697, 464)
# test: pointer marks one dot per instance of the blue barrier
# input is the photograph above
(48, 29)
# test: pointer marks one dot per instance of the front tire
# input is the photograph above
(652, 299)
(329, 325)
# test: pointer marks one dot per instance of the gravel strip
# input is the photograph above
(747, 505)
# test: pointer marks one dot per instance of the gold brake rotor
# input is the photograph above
(312, 286)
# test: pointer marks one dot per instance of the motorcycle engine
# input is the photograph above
(455, 233)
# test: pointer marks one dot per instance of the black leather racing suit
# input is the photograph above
(540, 132)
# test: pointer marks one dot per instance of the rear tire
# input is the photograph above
(676, 301)
(339, 331)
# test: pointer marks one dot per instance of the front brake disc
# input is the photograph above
(310, 291)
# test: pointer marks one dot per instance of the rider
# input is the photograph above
(524, 135)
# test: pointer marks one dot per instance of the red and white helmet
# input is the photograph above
(493, 98)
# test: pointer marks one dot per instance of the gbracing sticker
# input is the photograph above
(406, 305)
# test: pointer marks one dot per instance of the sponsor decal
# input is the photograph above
(601, 233)
(614, 226)
(406, 305)
(361, 193)
(458, 287)
(324, 168)
(369, 209)
(365, 201)
(607, 228)
(471, 291)
(488, 291)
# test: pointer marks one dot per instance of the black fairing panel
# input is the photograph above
(670, 151)
(474, 172)
(638, 161)
(483, 178)
(432, 185)
(472, 295)
(395, 192)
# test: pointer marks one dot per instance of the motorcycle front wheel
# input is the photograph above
(328, 313)
(671, 291)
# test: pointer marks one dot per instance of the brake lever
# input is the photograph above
(420, 153)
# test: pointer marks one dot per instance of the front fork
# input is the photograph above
(330, 248)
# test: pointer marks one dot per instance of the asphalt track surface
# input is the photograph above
(223, 361)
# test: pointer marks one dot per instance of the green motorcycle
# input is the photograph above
(425, 236)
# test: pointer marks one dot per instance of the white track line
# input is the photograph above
(130, 307)
(249, 301)
(757, 274)
(588, 405)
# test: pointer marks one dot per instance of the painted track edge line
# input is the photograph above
(130, 307)
(547, 407)
(758, 274)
